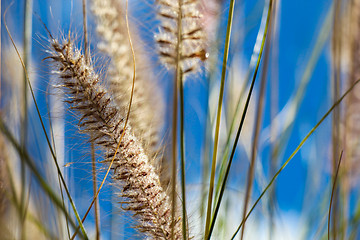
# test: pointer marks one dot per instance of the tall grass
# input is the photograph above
(181, 117)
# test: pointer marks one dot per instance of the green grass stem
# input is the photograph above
(223, 185)
(332, 192)
(218, 116)
(44, 130)
(24, 156)
(293, 154)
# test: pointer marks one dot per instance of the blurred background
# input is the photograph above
(308, 63)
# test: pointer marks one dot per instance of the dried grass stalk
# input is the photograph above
(352, 105)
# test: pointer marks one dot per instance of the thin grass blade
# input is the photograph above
(218, 117)
(294, 152)
(223, 185)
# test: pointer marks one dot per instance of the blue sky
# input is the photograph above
(300, 23)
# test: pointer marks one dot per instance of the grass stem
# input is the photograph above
(218, 117)
(332, 192)
(223, 185)
(44, 130)
(258, 119)
(294, 153)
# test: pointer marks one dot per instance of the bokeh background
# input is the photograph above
(298, 93)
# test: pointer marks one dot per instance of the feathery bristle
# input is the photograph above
(192, 47)
(102, 120)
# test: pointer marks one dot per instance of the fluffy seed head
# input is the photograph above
(101, 119)
(192, 46)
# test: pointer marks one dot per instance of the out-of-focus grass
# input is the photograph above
(223, 150)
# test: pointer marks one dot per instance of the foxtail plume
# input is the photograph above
(181, 17)
(102, 119)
